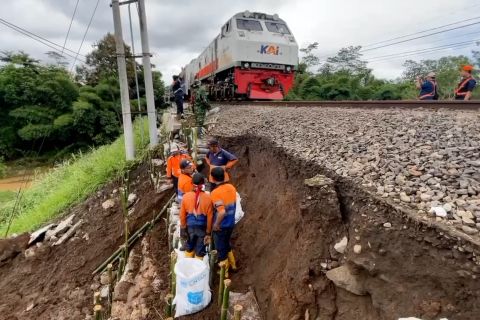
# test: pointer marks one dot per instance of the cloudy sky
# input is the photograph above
(180, 30)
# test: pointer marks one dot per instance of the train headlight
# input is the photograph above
(246, 65)
(241, 33)
(289, 68)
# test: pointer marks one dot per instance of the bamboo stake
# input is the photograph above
(110, 282)
(97, 310)
(96, 298)
(226, 296)
(168, 300)
(121, 265)
(237, 312)
(221, 286)
(213, 261)
(173, 284)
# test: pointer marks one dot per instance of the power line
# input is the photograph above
(70, 26)
(425, 49)
(85, 35)
(421, 37)
(425, 52)
(419, 32)
(34, 36)
(46, 43)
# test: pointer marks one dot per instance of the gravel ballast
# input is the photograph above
(426, 160)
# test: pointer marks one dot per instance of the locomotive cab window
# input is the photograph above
(249, 25)
(226, 29)
(277, 27)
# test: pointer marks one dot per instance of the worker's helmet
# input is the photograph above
(467, 68)
(198, 179)
(218, 174)
(185, 163)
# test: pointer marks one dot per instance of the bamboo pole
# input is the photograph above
(110, 282)
(237, 312)
(121, 265)
(173, 284)
(221, 285)
(116, 255)
(97, 311)
(213, 263)
(226, 298)
(169, 308)
(96, 298)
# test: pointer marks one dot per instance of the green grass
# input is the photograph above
(70, 183)
(6, 196)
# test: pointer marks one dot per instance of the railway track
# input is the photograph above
(404, 104)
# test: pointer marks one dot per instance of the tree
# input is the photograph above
(102, 62)
(348, 60)
(309, 60)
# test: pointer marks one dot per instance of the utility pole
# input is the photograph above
(147, 70)
(122, 78)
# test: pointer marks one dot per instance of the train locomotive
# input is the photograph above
(254, 57)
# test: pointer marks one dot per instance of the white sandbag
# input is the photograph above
(193, 292)
(238, 209)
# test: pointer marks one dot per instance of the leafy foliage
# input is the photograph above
(42, 107)
(347, 77)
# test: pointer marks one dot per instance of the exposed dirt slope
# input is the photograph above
(397, 266)
(57, 281)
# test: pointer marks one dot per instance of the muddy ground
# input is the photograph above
(56, 283)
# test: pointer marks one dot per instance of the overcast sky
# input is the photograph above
(180, 30)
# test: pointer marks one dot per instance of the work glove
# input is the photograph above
(184, 234)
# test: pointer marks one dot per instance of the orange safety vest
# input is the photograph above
(431, 94)
(461, 86)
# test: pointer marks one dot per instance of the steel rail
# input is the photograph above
(384, 104)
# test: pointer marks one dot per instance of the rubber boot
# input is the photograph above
(231, 260)
(189, 254)
(227, 267)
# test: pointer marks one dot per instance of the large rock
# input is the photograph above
(341, 245)
(11, 247)
(108, 204)
(343, 278)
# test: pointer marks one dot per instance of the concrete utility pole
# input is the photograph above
(122, 78)
(147, 70)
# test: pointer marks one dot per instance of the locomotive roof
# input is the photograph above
(258, 15)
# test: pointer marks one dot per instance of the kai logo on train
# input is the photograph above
(269, 49)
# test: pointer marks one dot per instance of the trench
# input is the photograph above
(285, 247)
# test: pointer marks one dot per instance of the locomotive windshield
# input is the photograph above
(250, 25)
(277, 27)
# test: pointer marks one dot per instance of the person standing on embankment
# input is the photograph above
(185, 183)
(428, 87)
(467, 84)
(218, 157)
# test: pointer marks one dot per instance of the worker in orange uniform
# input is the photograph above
(218, 157)
(173, 164)
(185, 179)
(224, 199)
(196, 217)
(465, 87)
